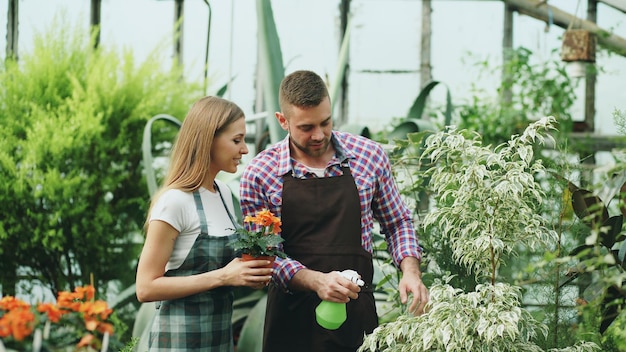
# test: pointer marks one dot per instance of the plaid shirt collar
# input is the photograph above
(342, 153)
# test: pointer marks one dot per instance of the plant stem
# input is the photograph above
(556, 282)
(493, 261)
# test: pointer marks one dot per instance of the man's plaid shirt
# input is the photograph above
(262, 183)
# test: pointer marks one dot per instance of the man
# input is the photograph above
(327, 187)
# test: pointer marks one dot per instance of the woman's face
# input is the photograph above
(228, 147)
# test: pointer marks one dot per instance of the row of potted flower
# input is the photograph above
(76, 322)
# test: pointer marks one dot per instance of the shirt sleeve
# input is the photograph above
(393, 215)
(171, 208)
(260, 189)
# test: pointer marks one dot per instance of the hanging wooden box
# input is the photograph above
(578, 45)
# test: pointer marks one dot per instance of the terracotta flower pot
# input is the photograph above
(247, 257)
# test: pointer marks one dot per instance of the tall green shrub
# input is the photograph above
(72, 194)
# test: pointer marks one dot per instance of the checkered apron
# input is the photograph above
(201, 322)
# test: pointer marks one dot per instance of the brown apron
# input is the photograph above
(322, 229)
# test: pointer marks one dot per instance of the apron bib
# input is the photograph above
(321, 225)
(200, 322)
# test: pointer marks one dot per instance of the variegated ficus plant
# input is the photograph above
(486, 206)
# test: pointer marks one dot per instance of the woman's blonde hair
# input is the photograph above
(191, 154)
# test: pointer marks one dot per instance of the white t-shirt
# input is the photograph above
(178, 209)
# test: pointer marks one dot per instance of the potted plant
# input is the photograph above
(76, 322)
(262, 241)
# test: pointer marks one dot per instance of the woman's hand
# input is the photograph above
(250, 273)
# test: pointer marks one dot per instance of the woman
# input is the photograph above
(185, 263)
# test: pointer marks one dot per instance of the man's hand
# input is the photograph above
(332, 287)
(411, 282)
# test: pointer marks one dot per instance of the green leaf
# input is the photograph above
(610, 306)
(271, 68)
(609, 236)
(621, 254)
(143, 322)
(589, 208)
(580, 249)
(252, 330)
(417, 109)
(358, 129)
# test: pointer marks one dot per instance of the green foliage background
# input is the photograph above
(535, 89)
(72, 194)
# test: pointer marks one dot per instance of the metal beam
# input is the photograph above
(540, 10)
(616, 4)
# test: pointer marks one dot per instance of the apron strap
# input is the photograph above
(200, 209)
(204, 229)
(232, 218)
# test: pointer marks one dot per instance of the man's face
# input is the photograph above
(309, 129)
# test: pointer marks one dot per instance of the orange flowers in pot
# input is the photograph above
(264, 238)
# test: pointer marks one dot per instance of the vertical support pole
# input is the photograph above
(12, 29)
(96, 7)
(179, 25)
(344, 13)
(591, 75)
(206, 52)
(426, 76)
(507, 49)
(425, 53)
(583, 281)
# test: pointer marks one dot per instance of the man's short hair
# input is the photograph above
(304, 89)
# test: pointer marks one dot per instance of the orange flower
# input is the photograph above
(97, 308)
(10, 303)
(4, 328)
(18, 322)
(52, 311)
(91, 323)
(86, 341)
(86, 317)
(85, 293)
(68, 300)
(266, 219)
(105, 327)
(258, 242)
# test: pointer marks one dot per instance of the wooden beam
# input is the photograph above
(616, 4)
(596, 142)
(540, 10)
